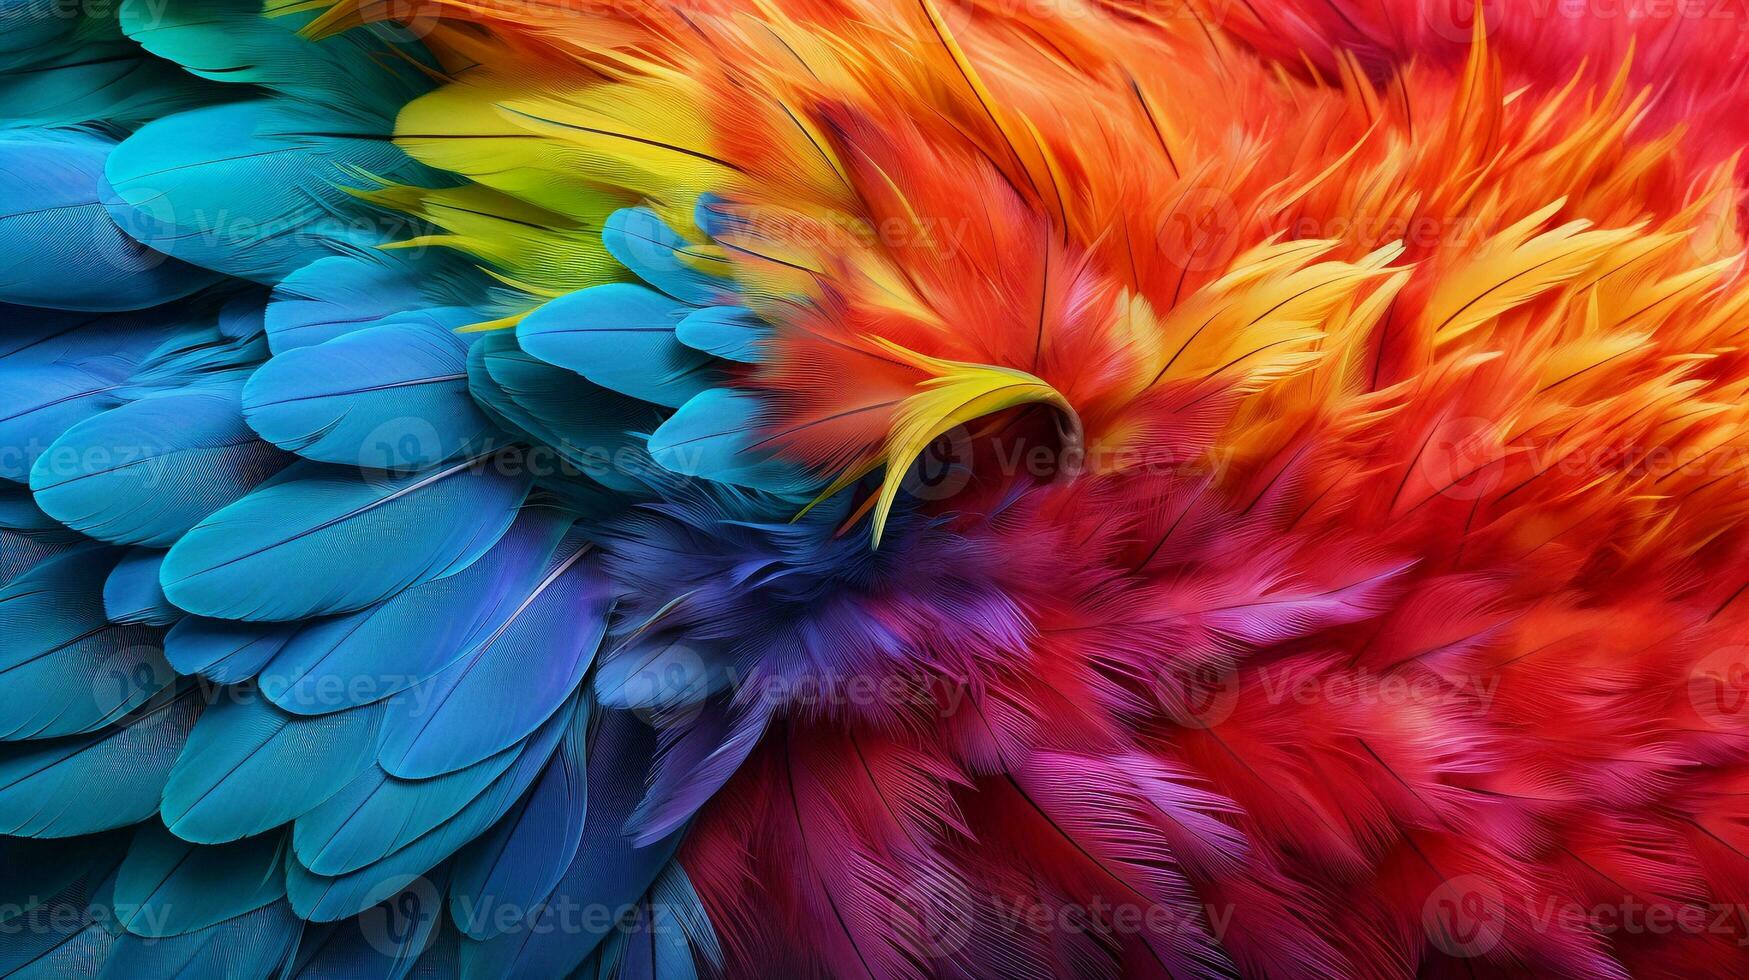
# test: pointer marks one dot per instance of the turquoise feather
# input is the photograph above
(249, 767)
(309, 544)
(146, 472)
(389, 397)
(169, 887)
(621, 337)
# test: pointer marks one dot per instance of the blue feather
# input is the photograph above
(667, 935)
(57, 924)
(132, 594)
(58, 369)
(147, 472)
(249, 767)
(402, 936)
(254, 189)
(21, 551)
(381, 650)
(389, 397)
(377, 814)
(621, 337)
(607, 872)
(58, 247)
(733, 333)
(311, 543)
(340, 294)
(593, 429)
(224, 651)
(256, 944)
(643, 243)
(517, 670)
(169, 887)
(518, 863)
(111, 778)
(64, 668)
(19, 512)
(322, 899)
(717, 436)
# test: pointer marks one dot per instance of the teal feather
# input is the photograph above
(620, 336)
(249, 767)
(596, 431)
(718, 436)
(132, 594)
(356, 74)
(89, 783)
(147, 472)
(64, 668)
(389, 397)
(310, 544)
(255, 189)
(261, 943)
(169, 887)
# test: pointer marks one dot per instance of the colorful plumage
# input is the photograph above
(873, 488)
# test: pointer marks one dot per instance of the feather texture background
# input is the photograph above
(873, 489)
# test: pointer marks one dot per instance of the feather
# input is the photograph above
(249, 767)
(516, 670)
(344, 661)
(403, 936)
(717, 435)
(50, 182)
(340, 294)
(608, 872)
(392, 397)
(517, 864)
(61, 926)
(88, 783)
(733, 333)
(251, 189)
(146, 472)
(643, 243)
(169, 887)
(591, 428)
(98, 81)
(57, 369)
(306, 544)
(693, 761)
(256, 944)
(324, 899)
(132, 594)
(222, 650)
(64, 668)
(360, 75)
(377, 814)
(621, 337)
